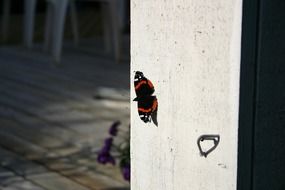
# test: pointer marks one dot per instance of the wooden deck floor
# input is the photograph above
(52, 121)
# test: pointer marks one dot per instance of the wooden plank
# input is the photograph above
(22, 146)
(36, 173)
(55, 87)
(118, 97)
(18, 164)
(84, 100)
(32, 123)
(63, 166)
(34, 95)
(44, 109)
(89, 173)
(21, 185)
(19, 133)
(52, 146)
(35, 136)
(28, 135)
(40, 79)
(30, 143)
(52, 75)
(53, 181)
(74, 63)
(92, 75)
(76, 120)
(95, 181)
(5, 174)
(10, 181)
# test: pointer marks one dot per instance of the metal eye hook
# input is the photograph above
(214, 138)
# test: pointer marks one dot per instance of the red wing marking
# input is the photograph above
(154, 105)
(145, 110)
(150, 84)
(139, 84)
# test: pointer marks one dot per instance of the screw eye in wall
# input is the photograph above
(214, 138)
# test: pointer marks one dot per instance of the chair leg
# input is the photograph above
(74, 22)
(121, 11)
(6, 19)
(107, 34)
(115, 29)
(48, 27)
(29, 17)
(58, 29)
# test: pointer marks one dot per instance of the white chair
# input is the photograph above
(56, 13)
(55, 19)
(29, 16)
(52, 11)
(111, 25)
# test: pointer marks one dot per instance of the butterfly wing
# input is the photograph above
(154, 117)
(147, 109)
(154, 111)
(147, 104)
(143, 86)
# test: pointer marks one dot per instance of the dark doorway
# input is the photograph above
(261, 161)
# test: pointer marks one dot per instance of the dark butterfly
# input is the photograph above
(147, 104)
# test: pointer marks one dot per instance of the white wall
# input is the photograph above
(190, 50)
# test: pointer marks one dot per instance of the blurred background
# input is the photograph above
(64, 80)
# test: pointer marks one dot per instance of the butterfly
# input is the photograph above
(147, 103)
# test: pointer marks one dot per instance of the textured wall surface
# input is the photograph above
(190, 50)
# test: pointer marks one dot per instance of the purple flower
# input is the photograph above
(106, 157)
(102, 158)
(108, 143)
(111, 160)
(127, 172)
(105, 150)
(114, 128)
